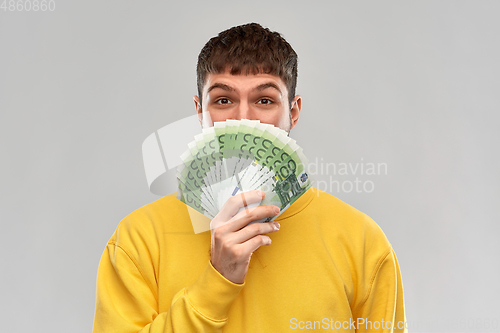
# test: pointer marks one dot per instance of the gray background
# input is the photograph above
(410, 84)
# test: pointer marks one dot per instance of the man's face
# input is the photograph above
(261, 97)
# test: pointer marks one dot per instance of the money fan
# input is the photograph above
(236, 156)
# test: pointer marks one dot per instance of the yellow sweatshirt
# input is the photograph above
(329, 267)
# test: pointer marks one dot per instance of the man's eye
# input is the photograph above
(265, 101)
(223, 101)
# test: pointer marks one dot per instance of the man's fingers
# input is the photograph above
(252, 214)
(233, 240)
(246, 211)
(234, 203)
(253, 230)
(254, 243)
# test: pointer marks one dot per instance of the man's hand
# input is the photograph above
(233, 241)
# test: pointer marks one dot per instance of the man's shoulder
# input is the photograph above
(164, 215)
(339, 208)
(160, 209)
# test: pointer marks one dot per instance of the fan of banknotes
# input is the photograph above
(236, 156)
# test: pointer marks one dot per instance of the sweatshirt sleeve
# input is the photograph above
(383, 308)
(127, 302)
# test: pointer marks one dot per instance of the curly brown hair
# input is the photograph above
(248, 49)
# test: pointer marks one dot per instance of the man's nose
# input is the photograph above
(244, 111)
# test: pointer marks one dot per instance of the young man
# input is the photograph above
(329, 266)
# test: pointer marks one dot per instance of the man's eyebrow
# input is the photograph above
(267, 85)
(220, 86)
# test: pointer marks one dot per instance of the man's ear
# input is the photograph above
(197, 106)
(295, 111)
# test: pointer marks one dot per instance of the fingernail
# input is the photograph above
(262, 194)
(276, 210)
(276, 226)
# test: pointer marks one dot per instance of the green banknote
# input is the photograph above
(236, 156)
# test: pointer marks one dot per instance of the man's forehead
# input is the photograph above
(243, 82)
